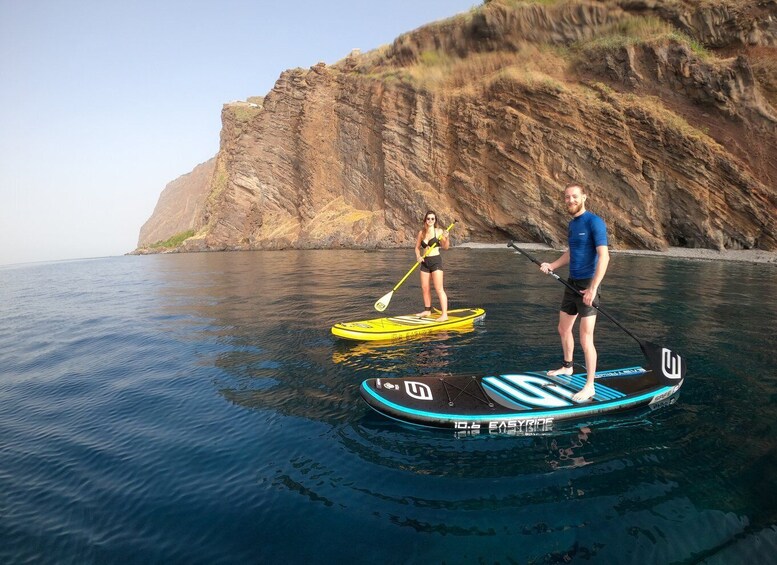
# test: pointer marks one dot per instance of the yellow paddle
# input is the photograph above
(383, 302)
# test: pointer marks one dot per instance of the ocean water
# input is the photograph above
(196, 409)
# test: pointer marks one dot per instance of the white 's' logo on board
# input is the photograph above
(671, 365)
(419, 391)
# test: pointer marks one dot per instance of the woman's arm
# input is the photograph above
(418, 240)
(442, 237)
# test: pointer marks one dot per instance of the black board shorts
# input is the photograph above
(572, 303)
(431, 264)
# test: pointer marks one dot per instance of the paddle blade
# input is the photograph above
(383, 302)
(669, 365)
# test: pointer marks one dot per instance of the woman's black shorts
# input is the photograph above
(432, 263)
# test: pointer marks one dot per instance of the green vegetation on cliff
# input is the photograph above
(636, 31)
(174, 241)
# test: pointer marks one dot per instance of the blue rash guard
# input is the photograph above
(586, 232)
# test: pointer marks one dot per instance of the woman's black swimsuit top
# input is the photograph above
(431, 242)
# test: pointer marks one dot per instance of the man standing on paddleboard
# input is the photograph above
(588, 257)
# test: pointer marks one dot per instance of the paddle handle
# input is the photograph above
(428, 250)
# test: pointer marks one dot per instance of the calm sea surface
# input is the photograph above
(197, 409)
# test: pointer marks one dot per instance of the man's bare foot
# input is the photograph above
(424, 314)
(585, 394)
(563, 371)
(442, 318)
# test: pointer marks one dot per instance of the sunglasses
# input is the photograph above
(430, 218)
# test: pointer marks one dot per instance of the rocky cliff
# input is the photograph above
(180, 206)
(665, 110)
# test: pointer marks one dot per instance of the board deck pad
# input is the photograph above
(405, 326)
(513, 402)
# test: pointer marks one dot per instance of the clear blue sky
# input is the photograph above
(102, 103)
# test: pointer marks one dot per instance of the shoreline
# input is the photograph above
(741, 255)
(758, 256)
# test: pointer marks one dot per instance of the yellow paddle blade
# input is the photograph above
(383, 301)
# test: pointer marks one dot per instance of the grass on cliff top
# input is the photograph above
(524, 3)
(174, 241)
(436, 70)
(245, 112)
(635, 31)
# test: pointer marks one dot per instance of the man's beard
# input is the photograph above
(574, 209)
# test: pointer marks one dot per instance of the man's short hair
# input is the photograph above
(576, 185)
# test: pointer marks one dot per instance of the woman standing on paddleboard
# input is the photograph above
(427, 252)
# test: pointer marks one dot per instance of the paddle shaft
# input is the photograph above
(413, 268)
(575, 290)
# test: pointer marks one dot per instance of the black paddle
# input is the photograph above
(671, 366)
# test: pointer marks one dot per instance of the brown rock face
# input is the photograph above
(485, 118)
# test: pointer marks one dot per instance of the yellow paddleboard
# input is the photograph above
(400, 327)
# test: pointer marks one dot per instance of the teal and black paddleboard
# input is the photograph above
(519, 403)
